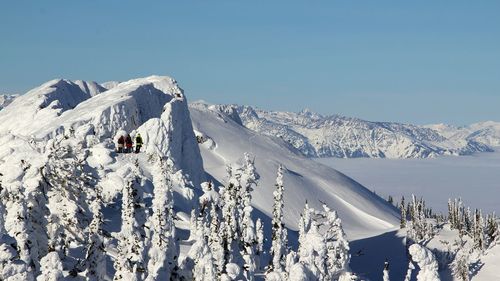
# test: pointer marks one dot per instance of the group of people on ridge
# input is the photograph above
(125, 144)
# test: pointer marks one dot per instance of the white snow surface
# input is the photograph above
(362, 212)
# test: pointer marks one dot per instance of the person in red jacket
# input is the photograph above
(121, 144)
(128, 144)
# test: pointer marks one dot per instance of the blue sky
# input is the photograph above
(409, 61)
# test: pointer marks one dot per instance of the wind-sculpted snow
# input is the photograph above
(338, 136)
(362, 212)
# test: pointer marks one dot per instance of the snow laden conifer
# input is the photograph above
(237, 229)
(323, 248)
(70, 189)
(337, 246)
(18, 227)
(51, 268)
(129, 263)
(95, 257)
(386, 271)
(419, 229)
(402, 208)
(492, 230)
(460, 265)
(278, 247)
(199, 264)
(163, 251)
(478, 230)
(248, 179)
(229, 226)
(259, 248)
(210, 213)
(215, 240)
(426, 261)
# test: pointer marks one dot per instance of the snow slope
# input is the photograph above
(338, 136)
(362, 212)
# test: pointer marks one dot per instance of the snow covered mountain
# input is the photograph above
(484, 132)
(71, 127)
(315, 135)
(6, 100)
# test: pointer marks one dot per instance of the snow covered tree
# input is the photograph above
(229, 226)
(95, 257)
(492, 230)
(51, 268)
(199, 264)
(237, 229)
(402, 208)
(460, 265)
(248, 179)
(163, 252)
(386, 271)
(426, 262)
(390, 200)
(19, 227)
(419, 229)
(323, 248)
(338, 256)
(278, 247)
(215, 240)
(70, 190)
(313, 252)
(478, 230)
(129, 263)
(259, 248)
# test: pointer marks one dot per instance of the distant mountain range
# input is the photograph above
(315, 135)
(6, 99)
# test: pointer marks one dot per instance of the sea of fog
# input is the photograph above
(475, 179)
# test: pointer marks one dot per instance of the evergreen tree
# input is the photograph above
(478, 231)
(70, 189)
(129, 264)
(95, 258)
(337, 246)
(402, 208)
(386, 271)
(390, 200)
(460, 265)
(259, 249)
(278, 230)
(51, 268)
(492, 230)
(248, 179)
(163, 251)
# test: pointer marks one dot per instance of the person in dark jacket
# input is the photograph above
(138, 143)
(121, 143)
(128, 144)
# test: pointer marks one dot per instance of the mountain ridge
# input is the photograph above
(317, 135)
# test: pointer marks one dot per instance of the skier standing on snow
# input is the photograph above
(121, 142)
(128, 144)
(138, 143)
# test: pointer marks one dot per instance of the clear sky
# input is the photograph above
(409, 61)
